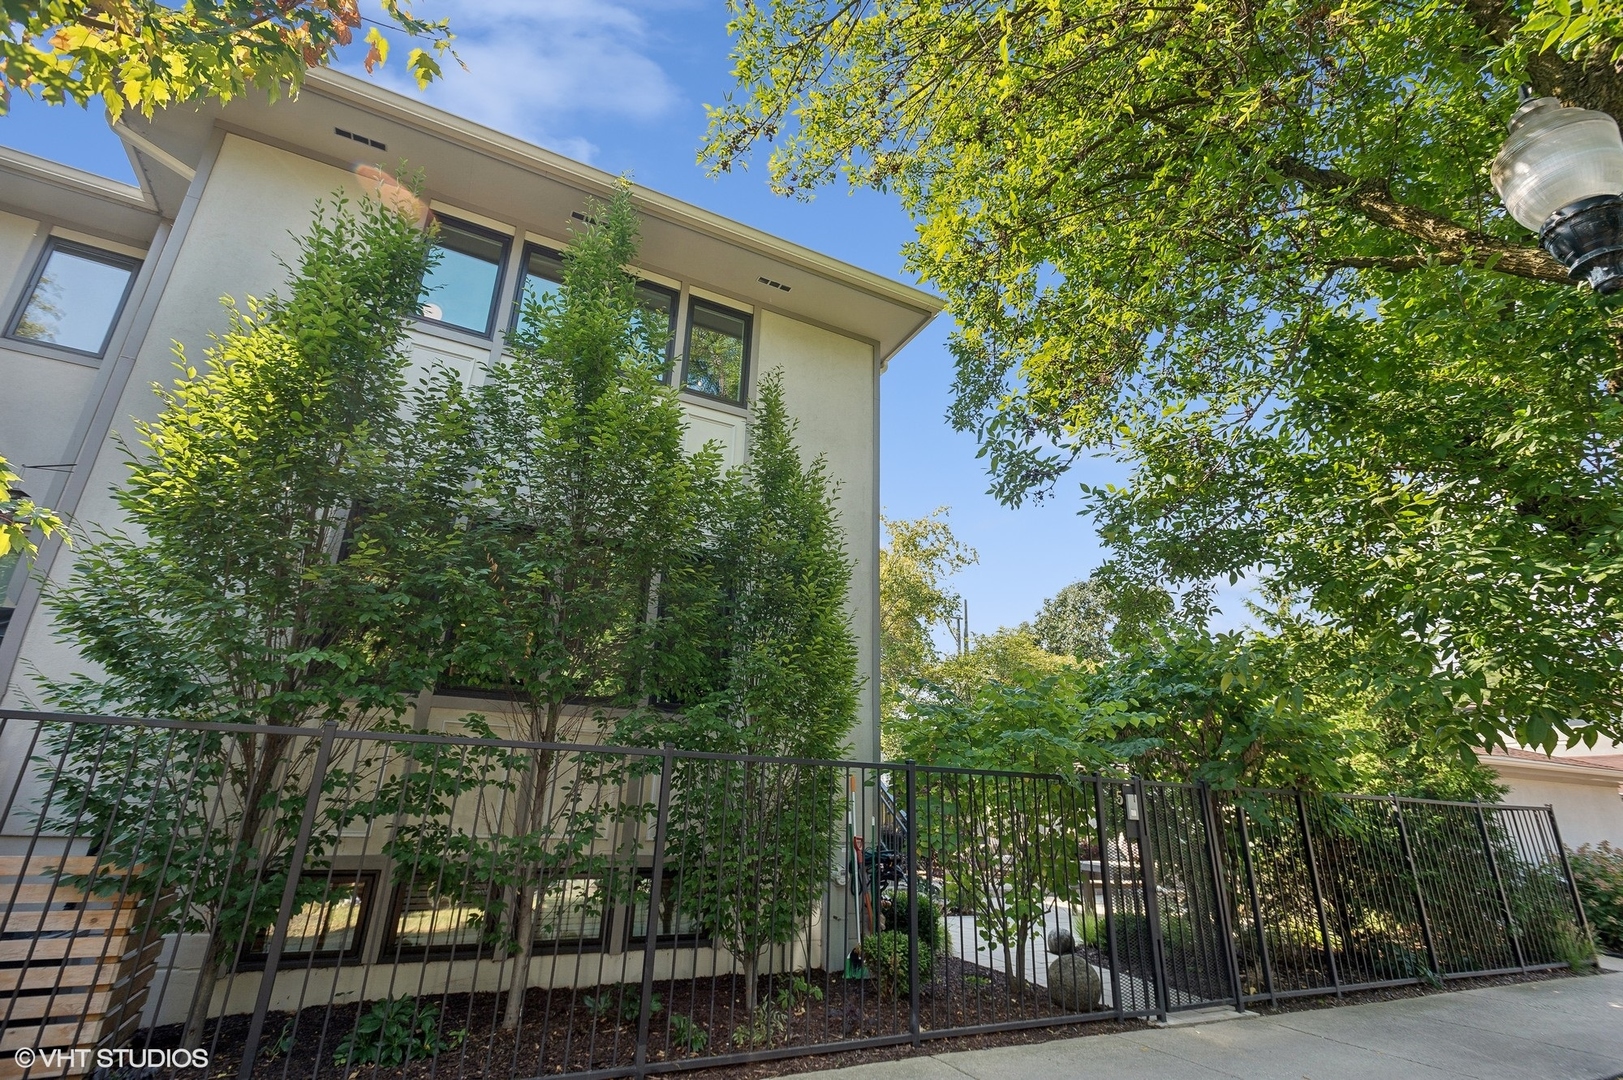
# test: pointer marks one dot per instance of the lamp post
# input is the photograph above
(1560, 174)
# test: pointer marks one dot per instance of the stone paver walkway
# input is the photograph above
(1563, 1029)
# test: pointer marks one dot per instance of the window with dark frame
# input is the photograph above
(543, 275)
(717, 355)
(570, 913)
(75, 298)
(463, 287)
(330, 928)
(674, 924)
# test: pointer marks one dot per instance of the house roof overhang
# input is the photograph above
(1558, 769)
(487, 172)
(50, 191)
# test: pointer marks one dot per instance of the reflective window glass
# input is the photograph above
(331, 925)
(543, 277)
(717, 351)
(76, 298)
(461, 290)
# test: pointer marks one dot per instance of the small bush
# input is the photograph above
(392, 1032)
(1598, 873)
(688, 1035)
(885, 954)
(625, 1002)
(932, 921)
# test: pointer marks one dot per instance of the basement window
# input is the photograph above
(75, 298)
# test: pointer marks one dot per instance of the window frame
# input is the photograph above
(391, 950)
(695, 302)
(673, 294)
(696, 939)
(53, 244)
(368, 883)
(488, 233)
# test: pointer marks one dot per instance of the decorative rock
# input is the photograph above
(1075, 984)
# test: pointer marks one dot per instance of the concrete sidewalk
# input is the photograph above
(1563, 1029)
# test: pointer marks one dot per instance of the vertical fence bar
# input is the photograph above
(284, 913)
(1572, 884)
(1499, 884)
(650, 935)
(1419, 893)
(1318, 891)
(1220, 893)
(1100, 817)
(913, 907)
(1152, 907)
(1256, 904)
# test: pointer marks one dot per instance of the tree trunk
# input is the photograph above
(208, 977)
(519, 984)
(752, 969)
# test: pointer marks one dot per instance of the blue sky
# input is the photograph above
(623, 85)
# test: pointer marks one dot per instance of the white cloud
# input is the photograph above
(544, 70)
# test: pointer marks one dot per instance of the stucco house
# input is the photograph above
(1583, 787)
(98, 279)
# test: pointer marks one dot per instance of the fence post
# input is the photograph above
(1572, 884)
(1256, 906)
(1499, 884)
(662, 818)
(913, 909)
(1318, 891)
(1419, 893)
(1220, 892)
(284, 913)
(1104, 887)
(1152, 906)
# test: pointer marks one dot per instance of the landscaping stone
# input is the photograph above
(1075, 984)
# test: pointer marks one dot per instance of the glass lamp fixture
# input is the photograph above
(1561, 175)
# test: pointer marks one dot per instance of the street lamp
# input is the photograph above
(1561, 174)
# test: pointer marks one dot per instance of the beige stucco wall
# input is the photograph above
(829, 388)
(258, 197)
(1586, 811)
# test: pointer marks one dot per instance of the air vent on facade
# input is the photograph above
(362, 139)
(775, 284)
(578, 216)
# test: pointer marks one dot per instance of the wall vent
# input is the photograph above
(780, 286)
(362, 139)
(578, 216)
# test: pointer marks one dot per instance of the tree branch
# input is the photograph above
(1452, 243)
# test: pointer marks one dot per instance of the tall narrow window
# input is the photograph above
(717, 351)
(542, 276)
(461, 289)
(75, 298)
(659, 304)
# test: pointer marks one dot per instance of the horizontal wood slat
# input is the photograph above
(87, 947)
(83, 919)
(68, 1004)
(34, 895)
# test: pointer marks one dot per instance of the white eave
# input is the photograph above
(1553, 768)
(491, 173)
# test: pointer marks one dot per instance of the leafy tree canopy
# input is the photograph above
(145, 54)
(1251, 250)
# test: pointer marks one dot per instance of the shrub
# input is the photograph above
(393, 1032)
(688, 1035)
(932, 921)
(1598, 873)
(885, 954)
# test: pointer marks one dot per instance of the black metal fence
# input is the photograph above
(300, 903)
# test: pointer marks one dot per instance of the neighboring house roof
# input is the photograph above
(1598, 769)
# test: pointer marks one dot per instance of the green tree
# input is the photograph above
(914, 602)
(580, 499)
(1252, 252)
(751, 842)
(1076, 621)
(19, 516)
(146, 54)
(270, 572)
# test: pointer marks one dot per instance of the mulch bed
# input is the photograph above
(564, 1031)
